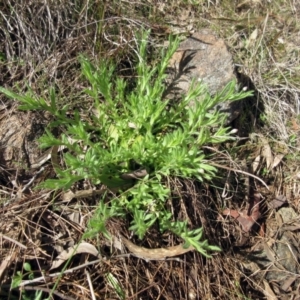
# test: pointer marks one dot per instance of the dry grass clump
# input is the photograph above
(39, 45)
(265, 39)
(40, 40)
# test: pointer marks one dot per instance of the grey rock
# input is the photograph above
(202, 57)
(287, 214)
(278, 256)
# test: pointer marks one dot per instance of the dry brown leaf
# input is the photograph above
(268, 291)
(278, 201)
(157, 253)
(246, 219)
(5, 263)
(66, 254)
(266, 152)
(68, 196)
(288, 282)
(252, 38)
(255, 163)
(277, 159)
(295, 126)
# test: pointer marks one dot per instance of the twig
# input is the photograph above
(90, 284)
(42, 278)
(36, 288)
(13, 241)
(32, 179)
(239, 171)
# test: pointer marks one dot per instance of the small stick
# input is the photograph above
(13, 241)
(239, 171)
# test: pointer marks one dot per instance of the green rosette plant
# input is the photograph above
(134, 129)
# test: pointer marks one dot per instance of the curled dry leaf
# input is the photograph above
(155, 254)
(245, 221)
(278, 201)
(246, 218)
(66, 254)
